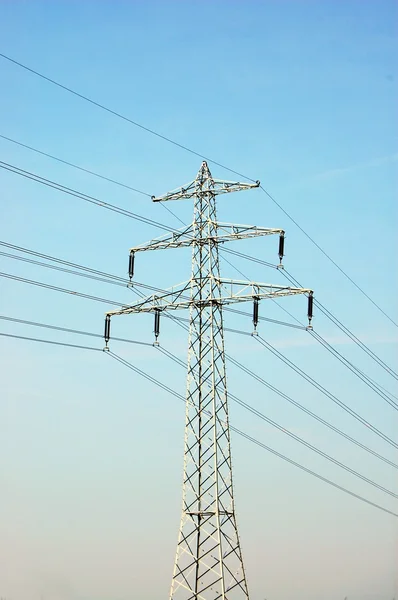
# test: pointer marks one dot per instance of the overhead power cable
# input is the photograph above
(371, 383)
(179, 396)
(385, 395)
(330, 259)
(31, 339)
(355, 339)
(258, 338)
(284, 359)
(124, 282)
(89, 297)
(200, 155)
(247, 257)
(120, 116)
(59, 289)
(110, 279)
(239, 432)
(309, 471)
(91, 199)
(307, 411)
(61, 261)
(236, 430)
(297, 438)
(345, 329)
(376, 387)
(65, 162)
(164, 227)
(109, 179)
(329, 315)
(323, 390)
(68, 330)
(281, 394)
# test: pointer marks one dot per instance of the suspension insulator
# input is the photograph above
(310, 308)
(107, 332)
(281, 246)
(131, 265)
(157, 324)
(255, 313)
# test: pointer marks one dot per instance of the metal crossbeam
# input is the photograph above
(226, 232)
(208, 564)
(178, 298)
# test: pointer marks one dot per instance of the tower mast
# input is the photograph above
(208, 563)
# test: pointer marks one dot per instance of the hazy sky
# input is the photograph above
(299, 94)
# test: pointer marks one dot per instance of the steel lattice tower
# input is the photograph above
(208, 564)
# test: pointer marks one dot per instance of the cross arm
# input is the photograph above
(180, 238)
(217, 186)
(229, 231)
(170, 300)
(239, 291)
(226, 232)
(184, 192)
(225, 187)
(180, 298)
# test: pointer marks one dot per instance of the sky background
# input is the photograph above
(299, 94)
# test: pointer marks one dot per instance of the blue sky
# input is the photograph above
(301, 95)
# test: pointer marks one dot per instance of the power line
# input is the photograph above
(310, 446)
(91, 199)
(180, 397)
(266, 344)
(63, 270)
(68, 330)
(110, 279)
(73, 165)
(355, 339)
(59, 289)
(258, 338)
(344, 329)
(291, 434)
(328, 314)
(309, 471)
(61, 261)
(247, 257)
(89, 297)
(120, 116)
(31, 339)
(307, 235)
(159, 225)
(371, 383)
(323, 390)
(80, 267)
(245, 435)
(281, 394)
(307, 411)
(195, 153)
(65, 162)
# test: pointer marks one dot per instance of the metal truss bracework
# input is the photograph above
(208, 564)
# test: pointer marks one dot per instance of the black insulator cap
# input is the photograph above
(255, 312)
(107, 332)
(131, 265)
(310, 306)
(281, 246)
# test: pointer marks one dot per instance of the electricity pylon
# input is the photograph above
(208, 564)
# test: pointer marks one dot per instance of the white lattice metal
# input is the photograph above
(208, 564)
